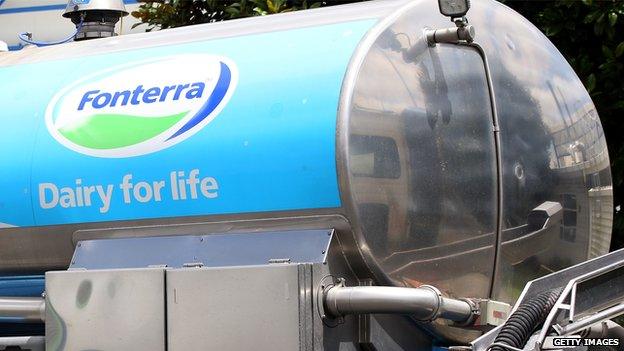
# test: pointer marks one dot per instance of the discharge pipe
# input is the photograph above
(425, 303)
(22, 309)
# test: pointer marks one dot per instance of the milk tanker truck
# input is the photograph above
(389, 175)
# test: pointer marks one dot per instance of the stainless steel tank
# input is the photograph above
(337, 117)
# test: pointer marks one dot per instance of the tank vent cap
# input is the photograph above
(95, 18)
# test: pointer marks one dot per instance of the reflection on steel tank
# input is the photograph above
(423, 167)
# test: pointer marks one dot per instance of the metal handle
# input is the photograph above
(545, 215)
(522, 242)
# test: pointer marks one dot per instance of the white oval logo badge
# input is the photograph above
(143, 107)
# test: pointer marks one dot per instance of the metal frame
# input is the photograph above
(568, 277)
(569, 294)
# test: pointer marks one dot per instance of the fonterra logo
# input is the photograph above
(142, 107)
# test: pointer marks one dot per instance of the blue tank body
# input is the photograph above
(202, 128)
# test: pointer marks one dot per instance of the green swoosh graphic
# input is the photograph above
(111, 131)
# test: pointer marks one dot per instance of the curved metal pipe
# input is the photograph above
(23, 309)
(425, 303)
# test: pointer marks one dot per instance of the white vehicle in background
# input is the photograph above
(41, 18)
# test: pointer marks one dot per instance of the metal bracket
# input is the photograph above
(594, 291)
(203, 249)
(490, 312)
(586, 300)
(462, 32)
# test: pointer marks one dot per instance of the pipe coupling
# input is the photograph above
(23, 309)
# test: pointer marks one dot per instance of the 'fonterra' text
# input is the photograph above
(178, 187)
(98, 99)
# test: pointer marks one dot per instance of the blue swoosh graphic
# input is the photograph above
(213, 101)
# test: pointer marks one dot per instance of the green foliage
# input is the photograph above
(161, 14)
(590, 34)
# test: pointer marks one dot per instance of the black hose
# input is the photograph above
(523, 322)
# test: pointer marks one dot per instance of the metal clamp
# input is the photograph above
(437, 311)
(451, 35)
(324, 286)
